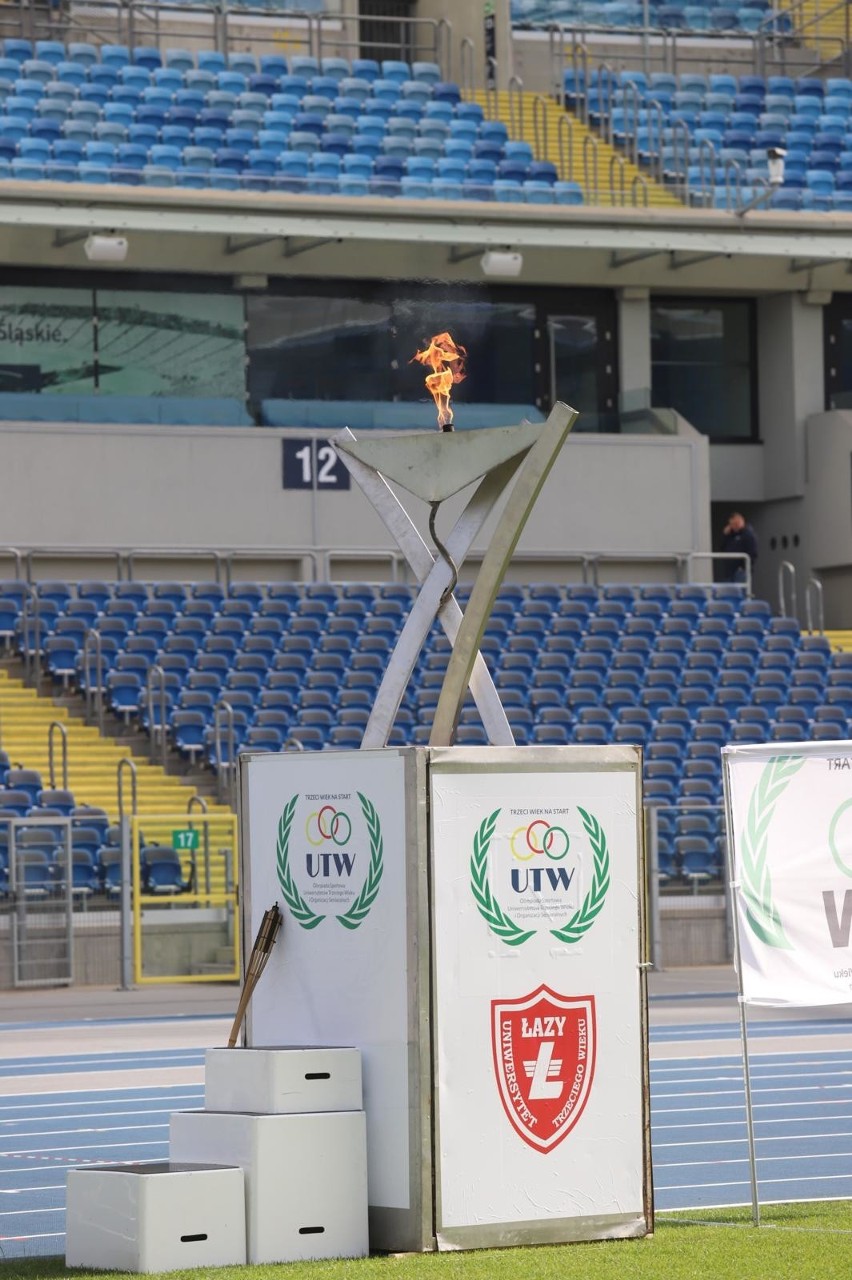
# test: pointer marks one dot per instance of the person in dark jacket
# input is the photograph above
(738, 535)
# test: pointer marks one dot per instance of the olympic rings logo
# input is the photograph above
(539, 837)
(329, 824)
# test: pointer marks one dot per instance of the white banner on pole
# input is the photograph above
(790, 831)
(538, 996)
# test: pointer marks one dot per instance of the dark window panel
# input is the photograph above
(703, 363)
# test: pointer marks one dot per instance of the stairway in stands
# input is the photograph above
(658, 195)
(821, 24)
(93, 759)
(840, 640)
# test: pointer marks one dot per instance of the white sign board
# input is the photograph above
(790, 830)
(327, 835)
(539, 999)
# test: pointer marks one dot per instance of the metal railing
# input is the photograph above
(225, 765)
(126, 767)
(93, 652)
(591, 175)
(123, 560)
(706, 173)
(805, 19)
(17, 558)
(31, 639)
(197, 804)
(788, 606)
(719, 559)
(467, 65)
(514, 99)
(215, 26)
(220, 560)
(225, 27)
(814, 606)
(57, 727)
(328, 564)
(383, 36)
(40, 920)
(157, 710)
(565, 144)
(769, 49)
(540, 125)
(673, 50)
(678, 879)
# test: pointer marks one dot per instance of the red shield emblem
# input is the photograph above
(544, 1056)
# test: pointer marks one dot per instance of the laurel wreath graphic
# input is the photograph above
(584, 918)
(761, 912)
(489, 908)
(299, 909)
(501, 923)
(361, 906)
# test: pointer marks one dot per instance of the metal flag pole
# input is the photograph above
(733, 885)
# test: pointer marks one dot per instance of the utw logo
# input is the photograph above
(541, 879)
(538, 840)
(323, 865)
(544, 1059)
(329, 825)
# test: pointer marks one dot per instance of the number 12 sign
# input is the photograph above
(313, 464)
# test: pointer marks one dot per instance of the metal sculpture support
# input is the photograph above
(434, 466)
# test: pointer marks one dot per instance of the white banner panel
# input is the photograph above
(790, 829)
(539, 997)
(325, 835)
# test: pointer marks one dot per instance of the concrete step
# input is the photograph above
(213, 968)
(841, 640)
(607, 155)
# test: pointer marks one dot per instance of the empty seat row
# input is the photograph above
(660, 14)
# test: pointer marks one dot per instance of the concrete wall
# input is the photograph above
(693, 931)
(634, 347)
(829, 511)
(80, 486)
(168, 949)
(791, 387)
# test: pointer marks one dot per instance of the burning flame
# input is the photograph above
(446, 360)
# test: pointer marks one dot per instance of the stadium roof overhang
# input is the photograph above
(222, 232)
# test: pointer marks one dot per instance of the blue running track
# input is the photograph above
(802, 1107)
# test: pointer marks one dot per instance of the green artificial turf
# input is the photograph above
(794, 1242)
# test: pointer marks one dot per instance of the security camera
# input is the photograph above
(775, 156)
(496, 263)
(106, 248)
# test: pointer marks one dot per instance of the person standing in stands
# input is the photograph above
(739, 536)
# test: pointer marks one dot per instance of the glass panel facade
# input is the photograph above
(305, 346)
(315, 347)
(582, 367)
(314, 339)
(169, 344)
(703, 363)
(357, 342)
(46, 340)
(499, 338)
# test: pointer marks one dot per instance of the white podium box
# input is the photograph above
(155, 1217)
(282, 1081)
(306, 1177)
(487, 903)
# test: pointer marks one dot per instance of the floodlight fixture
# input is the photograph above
(496, 262)
(105, 248)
